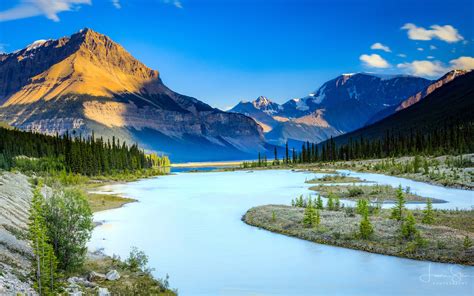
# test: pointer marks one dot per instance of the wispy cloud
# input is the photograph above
(380, 46)
(445, 33)
(402, 55)
(374, 61)
(48, 8)
(116, 3)
(175, 3)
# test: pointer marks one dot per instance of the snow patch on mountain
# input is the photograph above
(36, 44)
(300, 104)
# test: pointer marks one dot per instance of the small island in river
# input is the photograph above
(447, 237)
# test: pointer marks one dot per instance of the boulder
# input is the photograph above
(112, 275)
(80, 281)
(103, 292)
(96, 277)
(73, 289)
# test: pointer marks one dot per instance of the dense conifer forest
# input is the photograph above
(83, 155)
(452, 139)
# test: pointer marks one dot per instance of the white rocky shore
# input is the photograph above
(15, 253)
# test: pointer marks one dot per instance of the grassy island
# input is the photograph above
(373, 193)
(443, 241)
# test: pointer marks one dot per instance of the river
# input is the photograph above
(190, 226)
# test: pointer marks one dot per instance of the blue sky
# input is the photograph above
(225, 51)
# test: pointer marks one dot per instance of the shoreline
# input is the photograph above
(262, 218)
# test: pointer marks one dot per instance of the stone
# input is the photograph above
(103, 292)
(112, 275)
(96, 276)
(80, 281)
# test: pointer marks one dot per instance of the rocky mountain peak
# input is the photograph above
(261, 101)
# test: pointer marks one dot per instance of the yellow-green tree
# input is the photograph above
(45, 262)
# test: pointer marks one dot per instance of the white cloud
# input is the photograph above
(116, 3)
(446, 33)
(420, 49)
(374, 61)
(402, 55)
(430, 57)
(436, 68)
(463, 63)
(380, 46)
(432, 47)
(423, 68)
(175, 3)
(48, 8)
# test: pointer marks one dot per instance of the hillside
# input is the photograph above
(451, 104)
(87, 82)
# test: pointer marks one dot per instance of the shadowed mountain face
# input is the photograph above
(449, 104)
(340, 105)
(448, 77)
(87, 82)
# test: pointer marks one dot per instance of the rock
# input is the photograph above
(112, 275)
(80, 281)
(103, 292)
(73, 289)
(96, 277)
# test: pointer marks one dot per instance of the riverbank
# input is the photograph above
(448, 170)
(442, 241)
(16, 253)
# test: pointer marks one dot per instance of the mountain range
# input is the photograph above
(340, 105)
(87, 83)
(443, 107)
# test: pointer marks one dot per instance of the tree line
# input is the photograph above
(451, 139)
(83, 155)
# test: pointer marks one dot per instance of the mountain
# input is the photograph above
(448, 77)
(340, 105)
(88, 83)
(448, 105)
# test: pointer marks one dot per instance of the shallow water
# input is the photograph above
(189, 225)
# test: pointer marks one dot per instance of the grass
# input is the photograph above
(379, 193)
(100, 201)
(440, 242)
(337, 178)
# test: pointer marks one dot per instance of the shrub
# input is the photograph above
(68, 219)
(355, 191)
(137, 260)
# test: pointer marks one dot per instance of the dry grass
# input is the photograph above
(100, 202)
(380, 193)
(442, 242)
(337, 178)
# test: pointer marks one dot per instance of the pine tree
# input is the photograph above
(319, 203)
(308, 214)
(397, 211)
(408, 228)
(365, 227)
(330, 202)
(467, 243)
(428, 217)
(44, 258)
